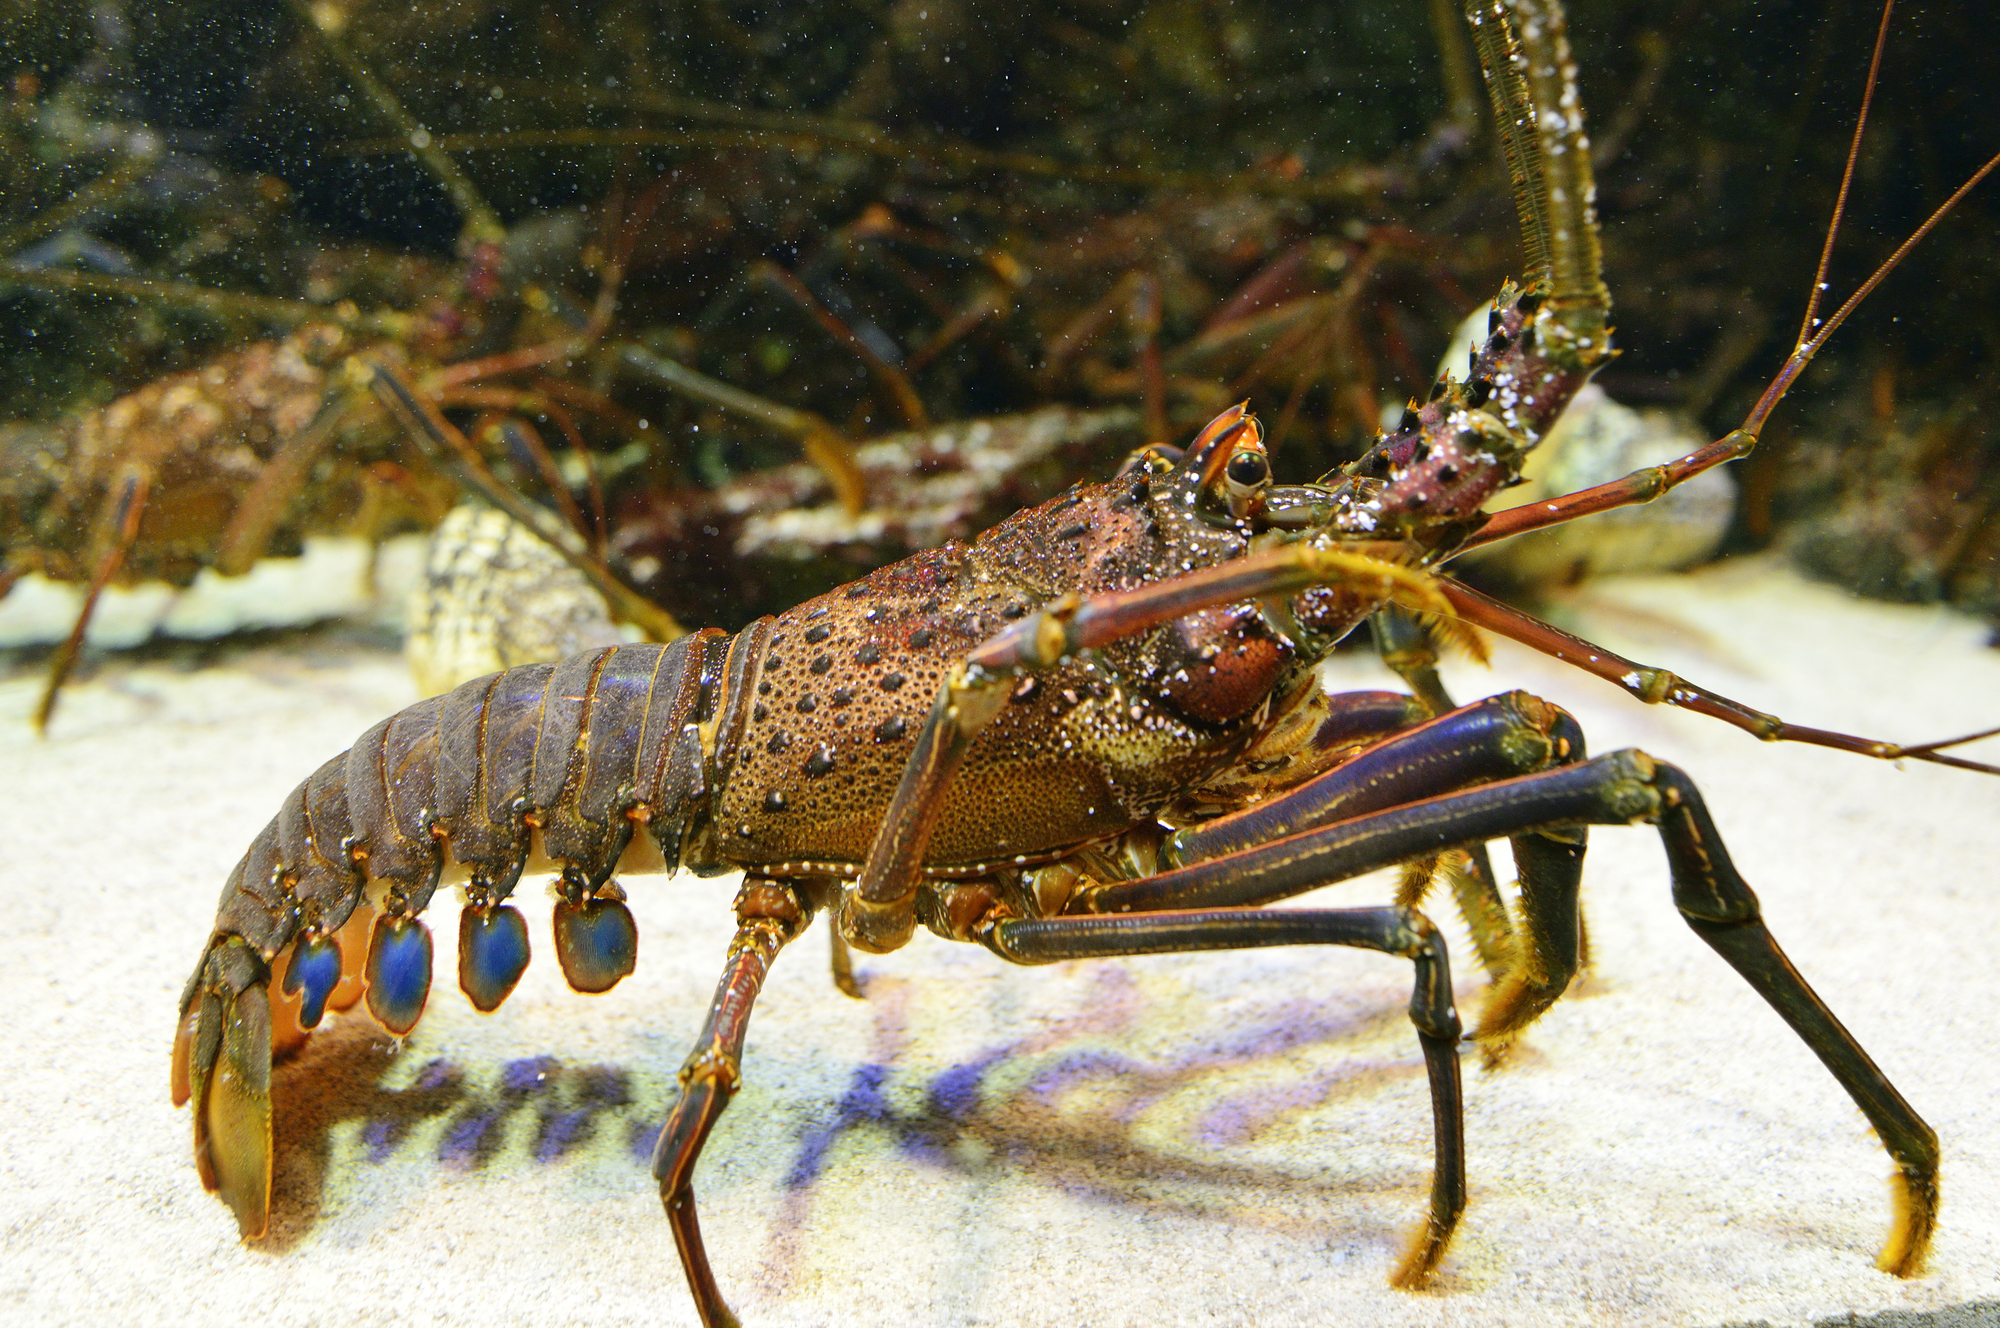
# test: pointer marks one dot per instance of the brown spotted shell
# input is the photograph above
(1083, 750)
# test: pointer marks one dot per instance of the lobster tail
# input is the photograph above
(584, 752)
(222, 1062)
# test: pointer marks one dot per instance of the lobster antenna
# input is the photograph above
(1576, 264)
(1846, 176)
(1513, 117)
(1753, 423)
(481, 224)
(1812, 334)
(424, 422)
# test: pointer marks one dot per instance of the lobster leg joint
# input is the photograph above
(713, 1072)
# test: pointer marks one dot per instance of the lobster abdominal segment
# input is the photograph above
(472, 773)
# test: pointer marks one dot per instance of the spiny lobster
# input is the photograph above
(1097, 730)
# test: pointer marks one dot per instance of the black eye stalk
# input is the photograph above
(1247, 470)
(1244, 479)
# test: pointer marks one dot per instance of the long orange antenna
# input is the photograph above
(1846, 176)
(1803, 356)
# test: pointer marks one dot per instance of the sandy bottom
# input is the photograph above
(1222, 1138)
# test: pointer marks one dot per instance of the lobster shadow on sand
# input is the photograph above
(473, 1118)
(336, 1077)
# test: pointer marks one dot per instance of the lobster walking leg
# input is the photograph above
(1512, 734)
(1620, 788)
(125, 532)
(1406, 648)
(769, 914)
(1491, 739)
(1404, 645)
(1394, 930)
(1723, 911)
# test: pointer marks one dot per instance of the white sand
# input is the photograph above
(1228, 1139)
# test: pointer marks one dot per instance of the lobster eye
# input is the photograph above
(1244, 479)
(1248, 469)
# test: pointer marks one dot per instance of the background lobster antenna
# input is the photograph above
(422, 420)
(482, 224)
